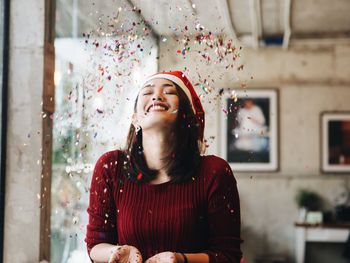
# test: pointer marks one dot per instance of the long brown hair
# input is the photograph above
(184, 157)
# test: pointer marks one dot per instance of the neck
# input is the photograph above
(156, 145)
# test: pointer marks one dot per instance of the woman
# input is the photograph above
(159, 200)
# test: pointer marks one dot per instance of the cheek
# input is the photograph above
(139, 105)
(176, 102)
(138, 109)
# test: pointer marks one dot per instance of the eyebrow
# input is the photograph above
(163, 85)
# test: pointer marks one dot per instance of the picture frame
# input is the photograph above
(335, 142)
(249, 129)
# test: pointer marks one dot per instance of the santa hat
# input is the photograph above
(183, 82)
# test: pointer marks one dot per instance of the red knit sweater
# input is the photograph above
(199, 216)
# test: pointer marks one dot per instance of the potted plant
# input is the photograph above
(309, 201)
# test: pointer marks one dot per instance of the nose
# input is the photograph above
(157, 96)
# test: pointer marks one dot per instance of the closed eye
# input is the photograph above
(170, 91)
(147, 92)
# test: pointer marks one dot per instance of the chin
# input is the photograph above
(157, 123)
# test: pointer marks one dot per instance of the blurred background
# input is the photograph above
(70, 70)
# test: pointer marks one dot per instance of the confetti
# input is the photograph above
(117, 48)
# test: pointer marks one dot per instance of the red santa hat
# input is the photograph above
(179, 78)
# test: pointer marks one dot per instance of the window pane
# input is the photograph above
(100, 58)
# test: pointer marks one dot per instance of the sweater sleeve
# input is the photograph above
(223, 214)
(101, 227)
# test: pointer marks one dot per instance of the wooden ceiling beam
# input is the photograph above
(256, 21)
(223, 8)
(192, 6)
(154, 33)
(287, 27)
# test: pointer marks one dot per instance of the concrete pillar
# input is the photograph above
(22, 211)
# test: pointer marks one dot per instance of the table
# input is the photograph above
(318, 233)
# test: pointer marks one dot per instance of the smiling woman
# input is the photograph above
(162, 126)
(159, 199)
(158, 102)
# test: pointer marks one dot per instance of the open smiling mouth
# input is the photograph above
(157, 107)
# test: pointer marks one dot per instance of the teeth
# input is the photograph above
(157, 107)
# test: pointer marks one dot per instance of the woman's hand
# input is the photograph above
(125, 254)
(164, 257)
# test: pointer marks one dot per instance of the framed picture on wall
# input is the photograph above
(335, 152)
(249, 129)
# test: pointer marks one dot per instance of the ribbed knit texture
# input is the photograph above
(199, 216)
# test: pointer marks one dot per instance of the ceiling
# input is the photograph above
(255, 23)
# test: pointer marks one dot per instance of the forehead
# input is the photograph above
(158, 82)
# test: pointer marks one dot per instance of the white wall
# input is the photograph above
(310, 79)
(22, 212)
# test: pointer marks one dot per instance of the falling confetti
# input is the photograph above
(117, 48)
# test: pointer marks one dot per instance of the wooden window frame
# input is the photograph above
(4, 49)
(47, 125)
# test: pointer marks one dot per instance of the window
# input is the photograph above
(98, 63)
